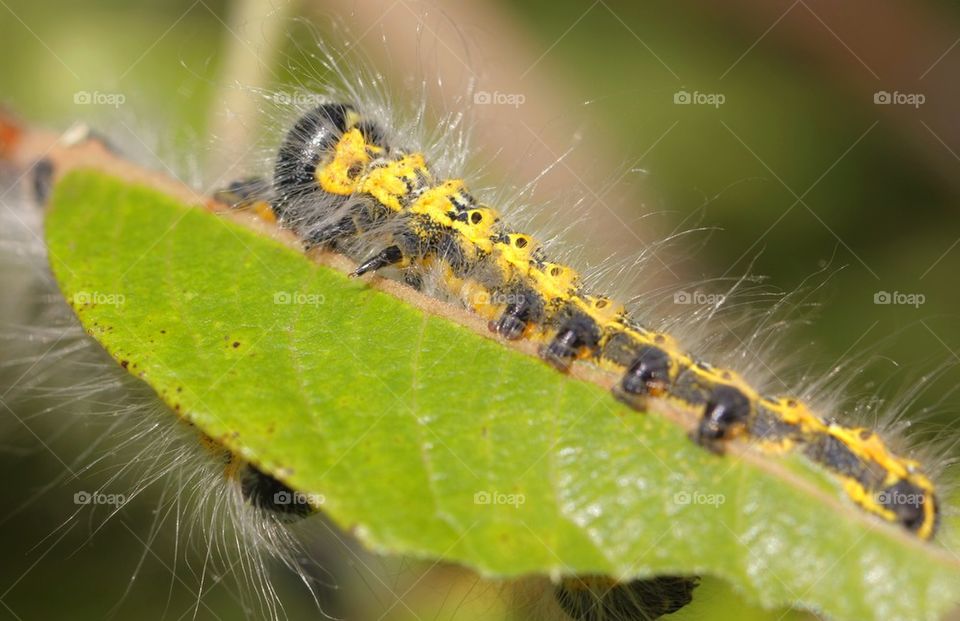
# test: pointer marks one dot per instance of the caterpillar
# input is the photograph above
(340, 186)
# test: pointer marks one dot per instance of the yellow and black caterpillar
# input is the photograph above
(337, 182)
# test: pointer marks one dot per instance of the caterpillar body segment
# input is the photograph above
(443, 224)
(267, 493)
(879, 481)
(335, 167)
(580, 329)
(393, 183)
(514, 304)
(534, 292)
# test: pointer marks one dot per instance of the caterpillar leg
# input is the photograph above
(579, 332)
(726, 412)
(647, 375)
(512, 323)
(523, 307)
(43, 171)
(391, 255)
(561, 351)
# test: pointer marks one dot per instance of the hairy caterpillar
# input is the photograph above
(338, 184)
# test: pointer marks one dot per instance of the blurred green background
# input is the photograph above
(801, 167)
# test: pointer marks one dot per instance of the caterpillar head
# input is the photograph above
(350, 158)
(329, 146)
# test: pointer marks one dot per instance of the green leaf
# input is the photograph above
(406, 423)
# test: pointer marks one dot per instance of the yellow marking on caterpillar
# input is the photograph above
(350, 157)
(555, 280)
(349, 170)
(556, 283)
(435, 202)
(796, 412)
(516, 252)
(859, 495)
(390, 183)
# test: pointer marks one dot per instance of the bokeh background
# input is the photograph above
(806, 137)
